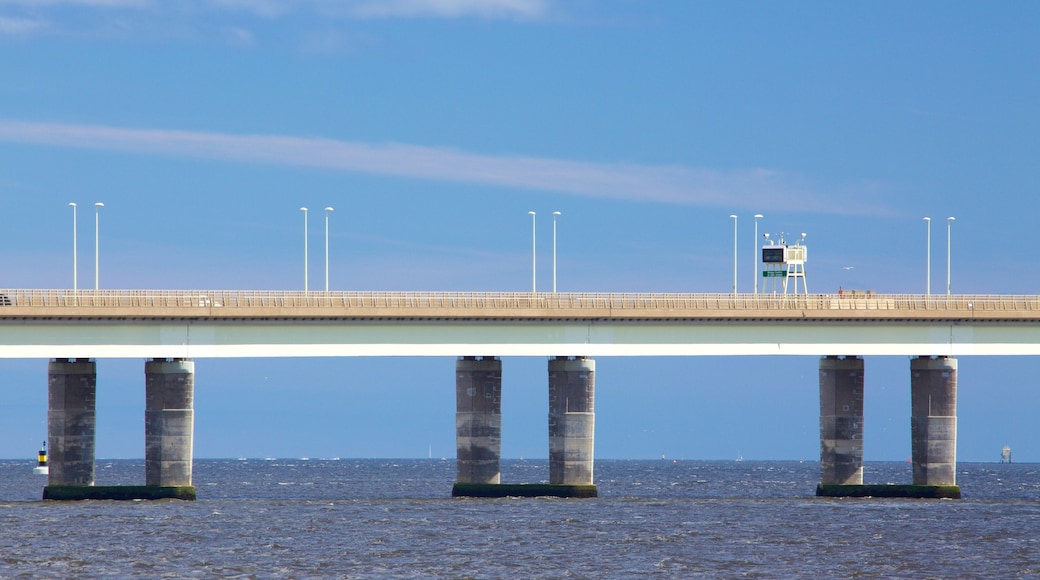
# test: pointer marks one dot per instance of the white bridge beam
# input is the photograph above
(140, 339)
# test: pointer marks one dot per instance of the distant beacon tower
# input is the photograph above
(784, 262)
(1005, 454)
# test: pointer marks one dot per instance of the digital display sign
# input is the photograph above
(773, 255)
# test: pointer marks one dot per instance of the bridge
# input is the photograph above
(171, 328)
(203, 324)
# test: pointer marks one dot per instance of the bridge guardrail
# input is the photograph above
(273, 300)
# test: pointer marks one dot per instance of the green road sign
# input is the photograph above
(774, 274)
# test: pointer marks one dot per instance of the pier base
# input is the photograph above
(522, 490)
(890, 490)
(118, 492)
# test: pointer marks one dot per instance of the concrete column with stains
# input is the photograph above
(841, 420)
(933, 420)
(572, 420)
(169, 421)
(71, 421)
(478, 419)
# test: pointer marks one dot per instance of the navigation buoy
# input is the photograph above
(41, 462)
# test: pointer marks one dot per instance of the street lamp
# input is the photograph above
(734, 253)
(328, 210)
(97, 210)
(928, 261)
(304, 210)
(949, 222)
(754, 258)
(75, 274)
(534, 287)
(555, 215)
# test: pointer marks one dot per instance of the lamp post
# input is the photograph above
(556, 214)
(928, 260)
(949, 222)
(328, 210)
(97, 211)
(734, 253)
(534, 286)
(304, 210)
(75, 265)
(754, 258)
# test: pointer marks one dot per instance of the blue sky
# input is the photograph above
(434, 126)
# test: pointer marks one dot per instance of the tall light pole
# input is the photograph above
(304, 210)
(556, 214)
(75, 265)
(928, 260)
(754, 258)
(734, 253)
(949, 222)
(328, 210)
(534, 286)
(97, 211)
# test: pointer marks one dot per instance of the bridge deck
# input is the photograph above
(201, 324)
(265, 306)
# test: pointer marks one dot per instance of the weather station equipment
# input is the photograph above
(784, 264)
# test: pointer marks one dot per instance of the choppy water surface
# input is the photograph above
(386, 518)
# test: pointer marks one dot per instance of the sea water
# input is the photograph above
(395, 519)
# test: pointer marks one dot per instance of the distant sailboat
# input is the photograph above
(739, 457)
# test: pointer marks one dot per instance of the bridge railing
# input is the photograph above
(280, 301)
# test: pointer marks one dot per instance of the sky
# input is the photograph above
(433, 127)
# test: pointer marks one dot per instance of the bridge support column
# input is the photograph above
(933, 425)
(933, 420)
(478, 419)
(572, 420)
(169, 422)
(841, 420)
(71, 421)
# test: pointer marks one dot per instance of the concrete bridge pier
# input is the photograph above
(933, 387)
(71, 420)
(478, 419)
(933, 420)
(169, 428)
(478, 429)
(169, 422)
(572, 421)
(841, 420)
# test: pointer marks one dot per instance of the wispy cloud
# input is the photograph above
(21, 26)
(33, 18)
(271, 9)
(262, 8)
(240, 36)
(758, 189)
(318, 22)
(82, 3)
(490, 9)
(517, 9)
